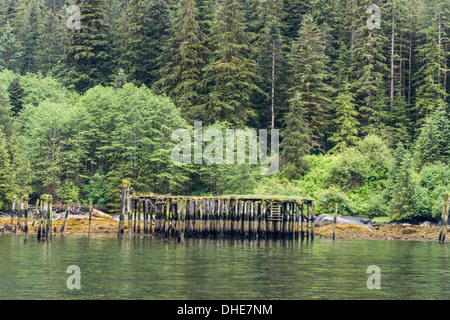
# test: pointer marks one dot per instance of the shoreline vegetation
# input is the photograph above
(374, 231)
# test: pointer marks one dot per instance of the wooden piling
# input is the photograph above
(444, 218)
(36, 213)
(334, 221)
(13, 208)
(65, 216)
(221, 217)
(313, 218)
(90, 218)
(49, 218)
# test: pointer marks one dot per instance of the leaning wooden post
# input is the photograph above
(90, 218)
(444, 218)
(334, 221)
(65, 216)
(13, 208)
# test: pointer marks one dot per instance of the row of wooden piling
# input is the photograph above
(43, 217)
(217, 217)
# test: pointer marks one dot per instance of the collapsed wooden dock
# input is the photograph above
(242, 217)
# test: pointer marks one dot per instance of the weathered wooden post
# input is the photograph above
(65, 216)
(166, 218)
(263, 220)
(145, 208)
(312, 220)
(334, 221)
(39, 213)
(13, 208)
(25, 202)
(129, 209)
(49, 218)
(19, 213)
(302, 231)
(308, 216)
(444, 218)
(90, 218)
(36, 214)
(125, 185)
(134, 214)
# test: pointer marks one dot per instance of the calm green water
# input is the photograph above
(145, 268)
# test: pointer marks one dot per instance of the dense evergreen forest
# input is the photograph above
(363, 113)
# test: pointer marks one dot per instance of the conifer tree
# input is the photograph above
(296, 141)
(29, 26)
(267, 21)
(309, 77)
(157, 25)
(182, 74)
(5, 174)
(6, 125)
(346, 120)
(231, 78)
(10, 49)
(369, 65)
(433, 143)
(400, 188)
(51, 41)
(15, 92)
(87, 54)
(432, 60)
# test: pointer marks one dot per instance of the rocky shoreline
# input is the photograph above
(346, 228)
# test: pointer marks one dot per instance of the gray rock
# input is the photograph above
(406, 224)
(426, 224)
(329, 218)
(324, 218)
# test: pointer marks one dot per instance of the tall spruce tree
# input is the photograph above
(309, 77)
(296, 141)
(181, 76)
(51, 42)
(10, 49)
(400, 186)
(433, 143)
(369, 66)
(346, 120)
(267, 21)
(29, 24)
(87, 56)
(231, 78)
(15, 93)
(432, 55)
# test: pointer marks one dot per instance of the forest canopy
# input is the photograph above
(363, 111)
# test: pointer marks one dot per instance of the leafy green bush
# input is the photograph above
(275, 186)
(327, 198)
(350, 171)
(434, 181)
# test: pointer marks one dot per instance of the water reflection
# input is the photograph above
(154, 268)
